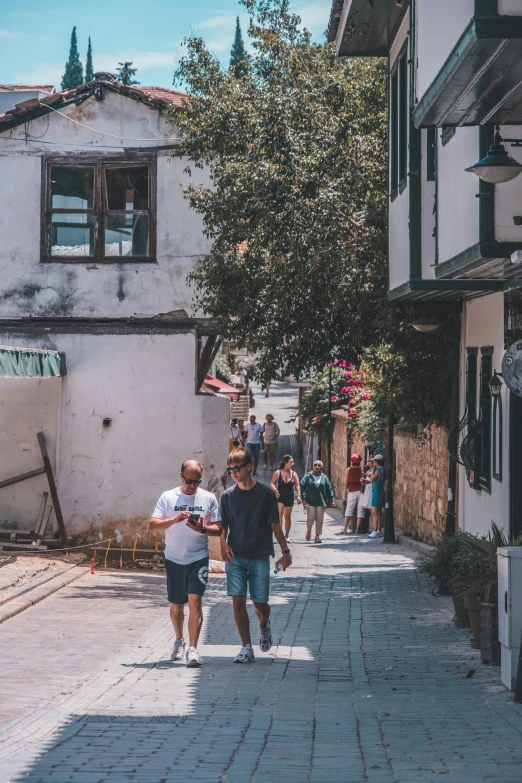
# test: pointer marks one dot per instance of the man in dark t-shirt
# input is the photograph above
(250, 517)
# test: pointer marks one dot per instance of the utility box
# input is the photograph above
(509, 611)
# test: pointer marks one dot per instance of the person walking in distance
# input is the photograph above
(352, 492)
(250, 519)
(270, 435)
(284, 481)
(317, 494)
(253, 441)
(236, 436)
(188, 515)
(378, 498)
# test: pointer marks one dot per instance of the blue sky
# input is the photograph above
(35, 34)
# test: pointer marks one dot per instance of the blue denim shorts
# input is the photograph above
(253, 573)
(254, 449)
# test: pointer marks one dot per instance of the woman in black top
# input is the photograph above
(283, 483)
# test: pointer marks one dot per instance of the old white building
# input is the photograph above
(455, 72)
(97, 241)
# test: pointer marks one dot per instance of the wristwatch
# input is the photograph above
(286, 551)
(204, 529)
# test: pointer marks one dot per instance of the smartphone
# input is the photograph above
(193, 519)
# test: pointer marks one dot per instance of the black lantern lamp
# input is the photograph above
(497, 166)
(495, 384)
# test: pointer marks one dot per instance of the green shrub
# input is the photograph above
(223, 371)
(439, 565)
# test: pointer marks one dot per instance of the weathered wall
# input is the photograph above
(421, 483)
(340, 445)
(118, 289)
(111, 477)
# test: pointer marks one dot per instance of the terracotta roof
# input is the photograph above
(26, 87)
(172, 96)
(31, 109)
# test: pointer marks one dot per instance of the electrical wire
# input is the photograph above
(105, 133)
(72, 144)
(61, 549)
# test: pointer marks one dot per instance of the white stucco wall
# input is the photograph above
(508, 196)
(117, 289)
(483, 325)
(398, 240)
(27, 406)
(458, 209)
(439, 23)
(111, 477)
(510, 7)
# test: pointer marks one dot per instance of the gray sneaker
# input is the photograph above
(245, 655)
(265, 638)
(193, 661)
(179, 651)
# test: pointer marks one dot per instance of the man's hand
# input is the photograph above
(180, 517)
(286, 561)
(196, 526)
(226, 552)
(333, 505)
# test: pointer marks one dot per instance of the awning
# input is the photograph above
(31, 363)
(220, 386)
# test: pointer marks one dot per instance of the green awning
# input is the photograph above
(31, 363)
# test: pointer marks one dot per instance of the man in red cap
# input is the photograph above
(352, 490)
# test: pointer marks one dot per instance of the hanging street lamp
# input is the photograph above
(426, 325)
(495, 384)
(497, 166)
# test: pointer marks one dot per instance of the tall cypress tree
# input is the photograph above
(125, 73)
(238, 54)
(73, 74)
(89, 70)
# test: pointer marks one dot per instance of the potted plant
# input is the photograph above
(439, 566)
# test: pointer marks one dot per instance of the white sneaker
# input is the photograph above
(179, 651)
(193, 661)
(373, 534)
(379, 534)
(245, 655)
(265, 638)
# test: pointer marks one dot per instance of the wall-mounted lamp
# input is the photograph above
(495, 384)
(426, 325)
(498, 166)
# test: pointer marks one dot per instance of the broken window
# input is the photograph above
(101, 211)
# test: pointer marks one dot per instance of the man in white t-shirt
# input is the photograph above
(253, 441)
(186, 553)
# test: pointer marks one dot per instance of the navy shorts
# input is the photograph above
(185, 580)
(254, 449)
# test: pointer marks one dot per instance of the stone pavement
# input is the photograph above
(367, 681)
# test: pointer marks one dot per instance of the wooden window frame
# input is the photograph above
(431, 154)
(399, 121)
(100, 209)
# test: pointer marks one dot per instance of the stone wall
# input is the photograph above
(421, 483)
(340, 453)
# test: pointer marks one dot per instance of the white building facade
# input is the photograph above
(97, 244)
(455, 73)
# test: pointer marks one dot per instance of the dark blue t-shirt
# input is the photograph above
(248, 515)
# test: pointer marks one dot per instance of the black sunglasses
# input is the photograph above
(191, 481)
(237, 468)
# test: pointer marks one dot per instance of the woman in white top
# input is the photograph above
(236, 436)
(284, 482)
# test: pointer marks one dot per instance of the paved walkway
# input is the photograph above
(366, 682)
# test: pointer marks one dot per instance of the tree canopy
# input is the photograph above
(126, 74)
(89, 69)
(238, 54)
(73, 74)
(297, 211)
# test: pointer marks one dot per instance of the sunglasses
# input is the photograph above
(317, 465)
(197, 482)
(237, 468)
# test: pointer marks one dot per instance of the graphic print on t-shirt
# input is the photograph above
(182, 544)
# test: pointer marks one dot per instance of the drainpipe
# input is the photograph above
(450, 526)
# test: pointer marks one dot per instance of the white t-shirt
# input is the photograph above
(253, 432)
(183, 545)
(317, 479)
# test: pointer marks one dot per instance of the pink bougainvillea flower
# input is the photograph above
(343, 363)
(365, 396)
(335, 398)
(344, 389)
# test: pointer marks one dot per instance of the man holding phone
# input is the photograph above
(188, 515)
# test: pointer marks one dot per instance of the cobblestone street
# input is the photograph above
(367, 681)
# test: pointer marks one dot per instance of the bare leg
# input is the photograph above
(347, 523)
(360, 521)
(272, 459)
(176, 618)
(195, 620)
(263, 613)
(241, 618)
(288, 520)
(281, 510)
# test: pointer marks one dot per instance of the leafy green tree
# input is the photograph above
(297, 211)
(73, 74)
(125, 73)
(238, 54)
(89, 70)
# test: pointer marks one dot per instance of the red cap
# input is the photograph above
(355, 458)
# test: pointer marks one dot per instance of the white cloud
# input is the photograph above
(315, 15)
(223, 20)
(45, 73)
(6, 33)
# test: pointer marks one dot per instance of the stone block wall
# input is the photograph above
(421, 483)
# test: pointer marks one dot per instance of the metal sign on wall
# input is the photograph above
(512, 368)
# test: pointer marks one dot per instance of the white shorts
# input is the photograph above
(353, 503)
